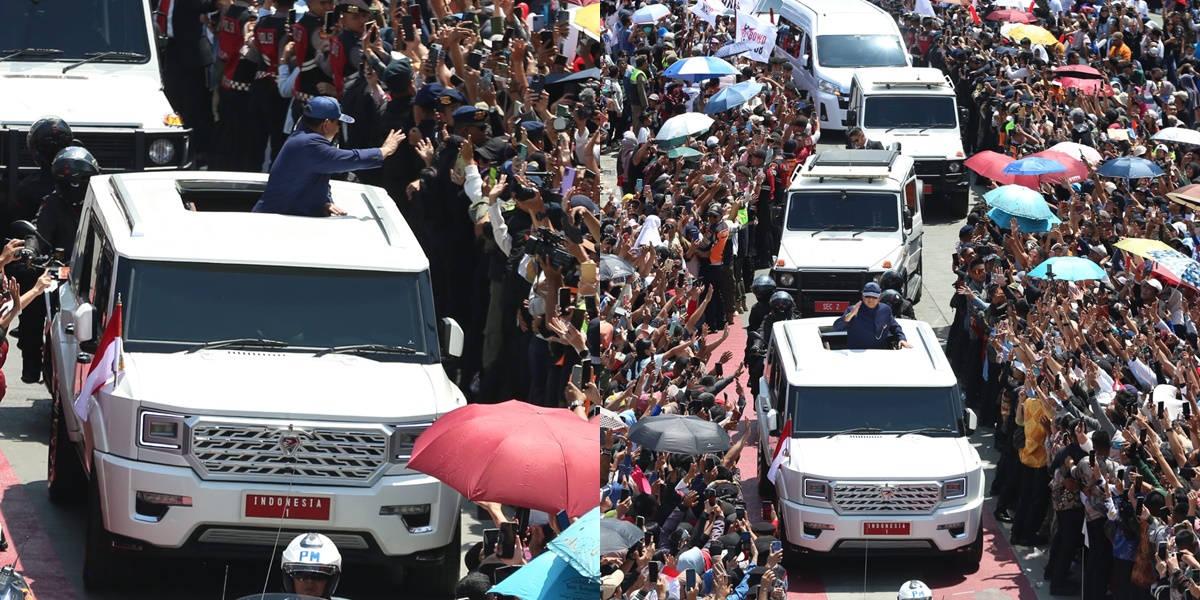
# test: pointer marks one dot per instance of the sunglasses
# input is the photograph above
(310, 576)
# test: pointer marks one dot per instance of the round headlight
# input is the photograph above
(954, 167)
(162, 152)
(786, 279)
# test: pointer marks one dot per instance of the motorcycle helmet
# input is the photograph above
(311, 558)
(782, 304)
(47, 137)
(891, 280)
(914, 590)
(72, 168)
(893, 299)
(763, 287)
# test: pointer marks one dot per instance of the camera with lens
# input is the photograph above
(585, 112)
(524, 193)
(550, 244)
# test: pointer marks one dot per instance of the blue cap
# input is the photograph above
(469, 115)
(871, 290)
(324, 107)
(965, 229)
(450, 96)
(428, 94)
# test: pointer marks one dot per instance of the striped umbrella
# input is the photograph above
(1180, 265)
(698, 68)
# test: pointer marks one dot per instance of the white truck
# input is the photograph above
(916, 110)
(95, 64)
(851, 215)
(277, 371)
(879, 457)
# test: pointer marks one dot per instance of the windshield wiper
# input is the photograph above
(832, 228)
(903, 126)
(856, 430)
(259, 342)
(9, 54)
(99, 56)
(926, 431)
(874, 228)
(375, 348)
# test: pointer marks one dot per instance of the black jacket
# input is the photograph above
(871, 145)
(57, 221)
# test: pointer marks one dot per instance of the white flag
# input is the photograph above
(759, 33)
(707, 10)
(924, 7)
(780, 457)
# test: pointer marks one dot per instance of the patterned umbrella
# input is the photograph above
(1019, 201)
(1183, 267)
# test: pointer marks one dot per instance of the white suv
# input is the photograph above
(880, 459)
(277, 371)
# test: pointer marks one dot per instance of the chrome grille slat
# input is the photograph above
(859, 498)
(346, 456)
(258, 537)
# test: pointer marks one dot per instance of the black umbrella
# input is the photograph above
(614, 267)
(560, 84)
(617, 535)
(679, 434)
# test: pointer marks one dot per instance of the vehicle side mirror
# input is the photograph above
(908, 218)
(452, 337)
(970, 420)
(772, 420)
(83, 320)
(851, 118)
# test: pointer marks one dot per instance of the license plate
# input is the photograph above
(280, 506)
(928, 189)
(886, 528)
(830, 307)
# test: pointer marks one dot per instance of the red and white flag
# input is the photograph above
(974, 15)
(782, 450)
(106, 364)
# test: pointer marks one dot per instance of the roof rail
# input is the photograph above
(386, 226)
(128, 210)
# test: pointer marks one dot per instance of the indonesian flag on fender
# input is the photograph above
(782, 450)
(105, 364)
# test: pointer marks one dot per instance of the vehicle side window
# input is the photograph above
(103, 283)
(790, 42)
(778, 384)
(910, 195)
(808, 51)
(81, 262)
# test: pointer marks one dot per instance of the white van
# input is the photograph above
(848, 34)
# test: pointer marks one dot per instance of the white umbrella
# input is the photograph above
(1178, 135)
(1087, 154)
(679, 128)
(650, 14)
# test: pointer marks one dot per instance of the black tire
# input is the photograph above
(766, 489)
(103, 568)
(960, 204)
(439, 580)
(65, 477)
(970, 559)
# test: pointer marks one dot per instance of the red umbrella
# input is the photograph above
(1078, 72)
(991, 165)
(1011, 16)
(1076, 170)
(516, 454)
(1087, 86)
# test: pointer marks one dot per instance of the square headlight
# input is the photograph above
(817, 489)
(954, 488)
(161, 431)
(404, 439)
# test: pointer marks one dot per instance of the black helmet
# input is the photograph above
(782, 303)
(763, 287)
(47, 136)
(891, 280)
(72, 168)
(893, 299)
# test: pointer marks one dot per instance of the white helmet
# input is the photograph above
(914, 590)
(311, 553)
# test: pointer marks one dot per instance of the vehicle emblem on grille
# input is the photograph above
(886, 492)
(289, 442)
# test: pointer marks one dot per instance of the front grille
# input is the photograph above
(852, 281)
(114, 151)
(862, 498)
(260, 537)
(930, 167)
(332, 456)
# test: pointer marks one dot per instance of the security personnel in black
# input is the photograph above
(47, 136)
(783, 308)
(234, 92)
(310, 38)
(57, 223)
(894, 282)
(756, 347)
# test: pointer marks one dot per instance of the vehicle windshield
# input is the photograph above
(916, 112)
(76, 27)
(175, 306)
(853, 51)
(822, 411)
(847, 211)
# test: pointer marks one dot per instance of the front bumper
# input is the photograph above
(844, 533)
(831, 109)
(937, 177)
(216, 520)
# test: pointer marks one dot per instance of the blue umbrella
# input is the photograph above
(1020, 201)
(1034, 165)
(1003, 219)
(650, 14)
(735, 48)
(579, 545)
(1129, 167)
(548, 577)
(698, 68)
(1181, 265)
(732, 97)
(1068, 268)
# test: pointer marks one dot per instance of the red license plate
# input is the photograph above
(830, 307)
(280, 506)
(886, 528)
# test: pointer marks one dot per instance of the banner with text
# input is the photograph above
(760, 33)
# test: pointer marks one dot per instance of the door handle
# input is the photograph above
(69, 328)
(83, 358)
